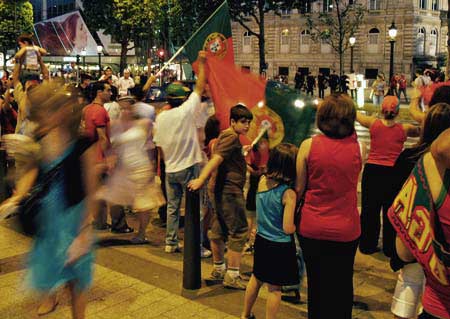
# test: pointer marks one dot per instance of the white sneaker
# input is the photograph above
(170, 249)
(205, 253)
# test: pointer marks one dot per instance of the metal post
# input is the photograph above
(84, 64)
(351, 59)
(99, 64)
(191, 256)
(391, 66)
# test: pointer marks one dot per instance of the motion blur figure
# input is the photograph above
(62, 248)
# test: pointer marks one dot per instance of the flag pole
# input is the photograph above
(189, 40)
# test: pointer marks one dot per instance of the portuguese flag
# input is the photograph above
(287, 113)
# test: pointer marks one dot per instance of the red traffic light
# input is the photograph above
(161, 53)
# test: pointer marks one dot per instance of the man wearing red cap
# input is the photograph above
(386, 142)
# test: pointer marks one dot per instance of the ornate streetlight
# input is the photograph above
(99, 51)
(392, 36)
(352, 41)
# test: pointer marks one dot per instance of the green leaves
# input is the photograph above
(16, 17)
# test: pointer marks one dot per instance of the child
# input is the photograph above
(229, 220)
(29, 57)
(275, 208)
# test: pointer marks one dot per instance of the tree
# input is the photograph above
(336, 25)
(16, 17)
(125, 20)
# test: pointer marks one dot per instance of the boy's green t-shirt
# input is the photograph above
(232, 171)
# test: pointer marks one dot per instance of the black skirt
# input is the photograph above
(275, 263)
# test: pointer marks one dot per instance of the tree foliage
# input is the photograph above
(125, 20)
(16, 17)
(337, 25)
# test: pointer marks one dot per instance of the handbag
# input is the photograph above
(30, 205)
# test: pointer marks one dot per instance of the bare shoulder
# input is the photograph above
(289, 195)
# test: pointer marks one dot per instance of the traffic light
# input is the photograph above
(161, 55)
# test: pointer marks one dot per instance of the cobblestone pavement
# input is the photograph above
(144, 282)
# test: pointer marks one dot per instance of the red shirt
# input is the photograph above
(330, 210)
(386, 143)
(95, 116)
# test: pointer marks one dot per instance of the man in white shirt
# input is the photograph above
(176, 135)
(125, 83)
(109, 74)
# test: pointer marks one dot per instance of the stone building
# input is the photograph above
(421, 40)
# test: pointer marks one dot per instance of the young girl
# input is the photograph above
(275, 206)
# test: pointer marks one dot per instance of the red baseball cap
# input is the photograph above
(390, 104)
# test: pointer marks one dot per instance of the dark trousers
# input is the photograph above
(377, 194)
(310, 90)
(321, 92)
(162, 211)
(329, 269)
(400, 91)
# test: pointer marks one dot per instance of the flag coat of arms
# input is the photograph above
(287, 113)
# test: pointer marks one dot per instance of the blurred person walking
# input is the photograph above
(62, 248)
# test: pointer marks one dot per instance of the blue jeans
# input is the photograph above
(377, 99)
(175, 185)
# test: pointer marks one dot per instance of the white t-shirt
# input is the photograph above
(113, 109)
(176, 134)
(125, 85)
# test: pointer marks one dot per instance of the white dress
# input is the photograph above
(133, 180)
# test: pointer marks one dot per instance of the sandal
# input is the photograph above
(139, 241)
(47, 306)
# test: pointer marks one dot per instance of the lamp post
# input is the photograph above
(392, 36)
(99, 51)
(83, 54)
(352, 41)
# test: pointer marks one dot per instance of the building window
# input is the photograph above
(325, 47)
(435, 5)
(327, 6)
(284, 40)
(247, 43)
(373, 40)
(305, 41)
(286, 12)
(420, 41)
(423, 4)
(374, 4)
(305, 7)
(433, 42)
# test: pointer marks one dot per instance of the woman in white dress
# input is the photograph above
(132, 181)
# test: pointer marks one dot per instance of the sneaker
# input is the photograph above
(234, 283)
(218, 274)
(205, 253)
(170, 249)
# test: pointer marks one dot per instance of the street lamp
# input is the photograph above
(83, 54)
(392, 36)
(352, 41)
(99, 51)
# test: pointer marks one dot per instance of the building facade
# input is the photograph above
(47, 9)
(421, 40)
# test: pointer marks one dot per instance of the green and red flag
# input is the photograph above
(273, 104)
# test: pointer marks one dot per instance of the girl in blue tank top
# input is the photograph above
(275, 208)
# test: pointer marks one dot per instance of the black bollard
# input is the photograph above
(191, 257)
(3, 182)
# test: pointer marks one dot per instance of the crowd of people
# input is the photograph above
(98, 149)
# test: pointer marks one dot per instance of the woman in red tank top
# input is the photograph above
(386, 143)
(328, 167)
